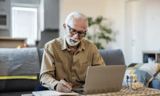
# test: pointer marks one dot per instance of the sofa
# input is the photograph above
(26, 63)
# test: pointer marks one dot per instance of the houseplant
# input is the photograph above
(103, 32)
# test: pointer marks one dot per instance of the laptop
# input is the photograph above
(103, 79)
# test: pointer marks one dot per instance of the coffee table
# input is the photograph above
(125, 91)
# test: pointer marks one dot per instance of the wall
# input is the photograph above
(29, 4)
(128, 32)
(144, 29)
(115, 13)
(51, 14)
(139, 30)
(26, 1)
(152, 13)
(50, 9)
(136, 24)
(113, 10)
(91, 8)
(5, 8)
(41, 18)
(134, 30)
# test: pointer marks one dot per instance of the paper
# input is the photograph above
(51, 93)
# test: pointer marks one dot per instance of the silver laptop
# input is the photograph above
(103, 79)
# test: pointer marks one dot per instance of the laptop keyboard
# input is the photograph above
(78, 90)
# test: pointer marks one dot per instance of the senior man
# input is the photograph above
(65, 60)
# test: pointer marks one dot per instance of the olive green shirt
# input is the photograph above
(60, 62)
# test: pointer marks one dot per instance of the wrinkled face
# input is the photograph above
(76, 29)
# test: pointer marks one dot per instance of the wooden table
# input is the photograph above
(7, 42)
(125, 91)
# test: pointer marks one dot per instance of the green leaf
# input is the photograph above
(90, 21)
(99, 45)
(107, 30)
(106, 38)
(89, 37)
(103, 34)
(99, 20)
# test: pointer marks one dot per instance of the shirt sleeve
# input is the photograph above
(47, 73)
(97, 59)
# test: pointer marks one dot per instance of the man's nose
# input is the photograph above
(77, 36)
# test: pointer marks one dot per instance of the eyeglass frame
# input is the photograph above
(75, 31)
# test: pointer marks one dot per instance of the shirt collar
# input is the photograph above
(64, 45)
(81, 46)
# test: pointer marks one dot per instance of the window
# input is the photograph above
(3, 21)
(24, 24)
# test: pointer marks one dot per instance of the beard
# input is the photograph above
(72, 41)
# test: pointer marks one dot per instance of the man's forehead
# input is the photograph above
(78, 22)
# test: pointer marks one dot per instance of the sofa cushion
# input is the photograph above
(144, 72)
(18, 93)
(19, 62)
(12, 85)
(112, 57)
(40, 52)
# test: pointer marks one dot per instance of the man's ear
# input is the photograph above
(64, 26)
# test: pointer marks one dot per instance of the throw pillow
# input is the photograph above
(144, 72)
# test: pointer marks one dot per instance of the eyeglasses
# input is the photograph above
(72, 31)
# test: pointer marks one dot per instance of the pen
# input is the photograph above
(64, 81)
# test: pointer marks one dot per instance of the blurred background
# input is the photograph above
(134, 24)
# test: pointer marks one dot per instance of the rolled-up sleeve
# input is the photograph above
(97, 59)
(47, 73)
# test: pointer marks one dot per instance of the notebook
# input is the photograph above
(52, 93)
(103, 79)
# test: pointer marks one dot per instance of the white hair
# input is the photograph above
(73, 15)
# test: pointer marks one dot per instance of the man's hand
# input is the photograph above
(63, 86)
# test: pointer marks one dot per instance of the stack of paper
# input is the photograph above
(51, 93)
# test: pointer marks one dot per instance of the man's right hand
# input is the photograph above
(63, 86)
